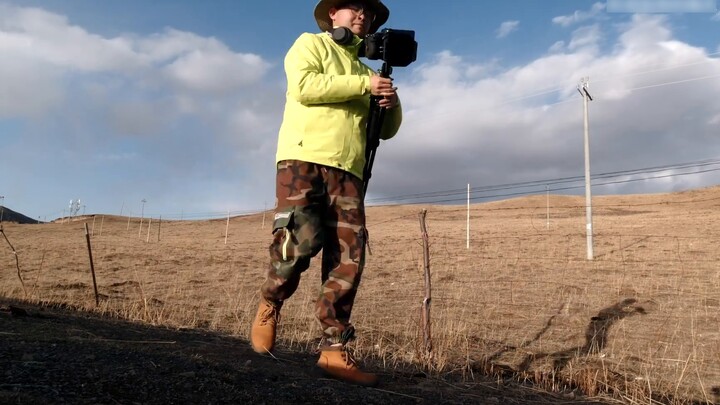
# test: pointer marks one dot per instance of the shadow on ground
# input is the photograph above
(55, 355)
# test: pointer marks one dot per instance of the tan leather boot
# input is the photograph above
(262, 334)
(336, 362)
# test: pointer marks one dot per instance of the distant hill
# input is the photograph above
(9, 215)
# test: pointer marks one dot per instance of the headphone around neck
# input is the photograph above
(342, 35)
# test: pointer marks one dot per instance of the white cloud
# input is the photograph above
(28, 89)
(506, 28)
(175, 109)
(585, 37)
(579, 16)
(558, 46)
(44, 54)
(216, 71)
(525, 123)
(152, 113)
(160, 47)
(480, 70)
(716, 17)
(661, 6)
(645, 33)
(48, 38)
(202, 64)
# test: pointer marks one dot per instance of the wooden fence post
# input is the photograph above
(92, 266)
(17, 261)
(427, 337)
(227, 226)
(147, 239)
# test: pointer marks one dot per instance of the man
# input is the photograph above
(319, 184)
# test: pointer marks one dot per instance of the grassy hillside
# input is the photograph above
(636, 323)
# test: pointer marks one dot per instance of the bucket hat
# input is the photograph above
(322, 13)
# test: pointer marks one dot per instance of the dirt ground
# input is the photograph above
(638, 323)
(59, 356)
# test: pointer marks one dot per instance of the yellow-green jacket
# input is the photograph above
(327, 104)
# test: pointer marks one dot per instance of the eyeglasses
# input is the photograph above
(358, 9)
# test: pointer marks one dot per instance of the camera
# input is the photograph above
(394, 47)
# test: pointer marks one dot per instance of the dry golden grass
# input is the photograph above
(638, 323)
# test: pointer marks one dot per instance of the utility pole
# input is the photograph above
(583, 89)
(142, 214)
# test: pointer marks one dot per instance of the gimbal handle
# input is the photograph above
(374, 126)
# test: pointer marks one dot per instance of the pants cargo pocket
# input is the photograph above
(281, 230)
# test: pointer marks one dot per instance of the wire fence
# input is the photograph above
(523, 295)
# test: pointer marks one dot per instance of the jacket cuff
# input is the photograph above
(365, 84)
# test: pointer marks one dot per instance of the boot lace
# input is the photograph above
(269, 315)
(348, 358)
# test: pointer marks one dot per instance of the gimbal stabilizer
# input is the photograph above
(374, 126)
(395, 48)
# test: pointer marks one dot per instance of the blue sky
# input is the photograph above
(179, 102)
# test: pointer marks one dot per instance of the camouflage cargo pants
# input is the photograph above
(318, 208)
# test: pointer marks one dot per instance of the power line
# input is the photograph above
(478, 193)
(430, 197)
(659, 70)
(556, 88)
(526, 188)
(544, 182)
(538, 191)
(673, 82)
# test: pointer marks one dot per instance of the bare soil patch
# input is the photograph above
(56, 356)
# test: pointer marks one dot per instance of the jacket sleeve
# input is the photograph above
(391, 123)
(309, 84)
